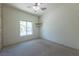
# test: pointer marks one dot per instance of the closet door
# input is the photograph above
(0, 26)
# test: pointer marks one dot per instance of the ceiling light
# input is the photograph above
(36, 8)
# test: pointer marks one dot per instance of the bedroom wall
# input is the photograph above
(11, 18)
(0, 26)
(61, 25)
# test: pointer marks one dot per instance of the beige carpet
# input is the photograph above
(39, 47)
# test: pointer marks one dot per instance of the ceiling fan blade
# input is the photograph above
(29, 6)
(43, 8)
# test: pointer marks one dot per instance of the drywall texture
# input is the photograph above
(0, 26)
(11, 30)
(61, 25)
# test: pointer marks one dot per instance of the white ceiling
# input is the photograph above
(27, 7)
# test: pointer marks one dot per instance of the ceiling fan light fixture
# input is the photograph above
(36, 8)
(38, 4)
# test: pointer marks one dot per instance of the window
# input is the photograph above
(25, 28)
(22, 28)
(29, 28)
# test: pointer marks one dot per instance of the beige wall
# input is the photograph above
(61, 25)
(11, 18)
(0, 26)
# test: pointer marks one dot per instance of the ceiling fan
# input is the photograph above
(37, 7)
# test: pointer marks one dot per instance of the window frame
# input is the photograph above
(26, 27)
